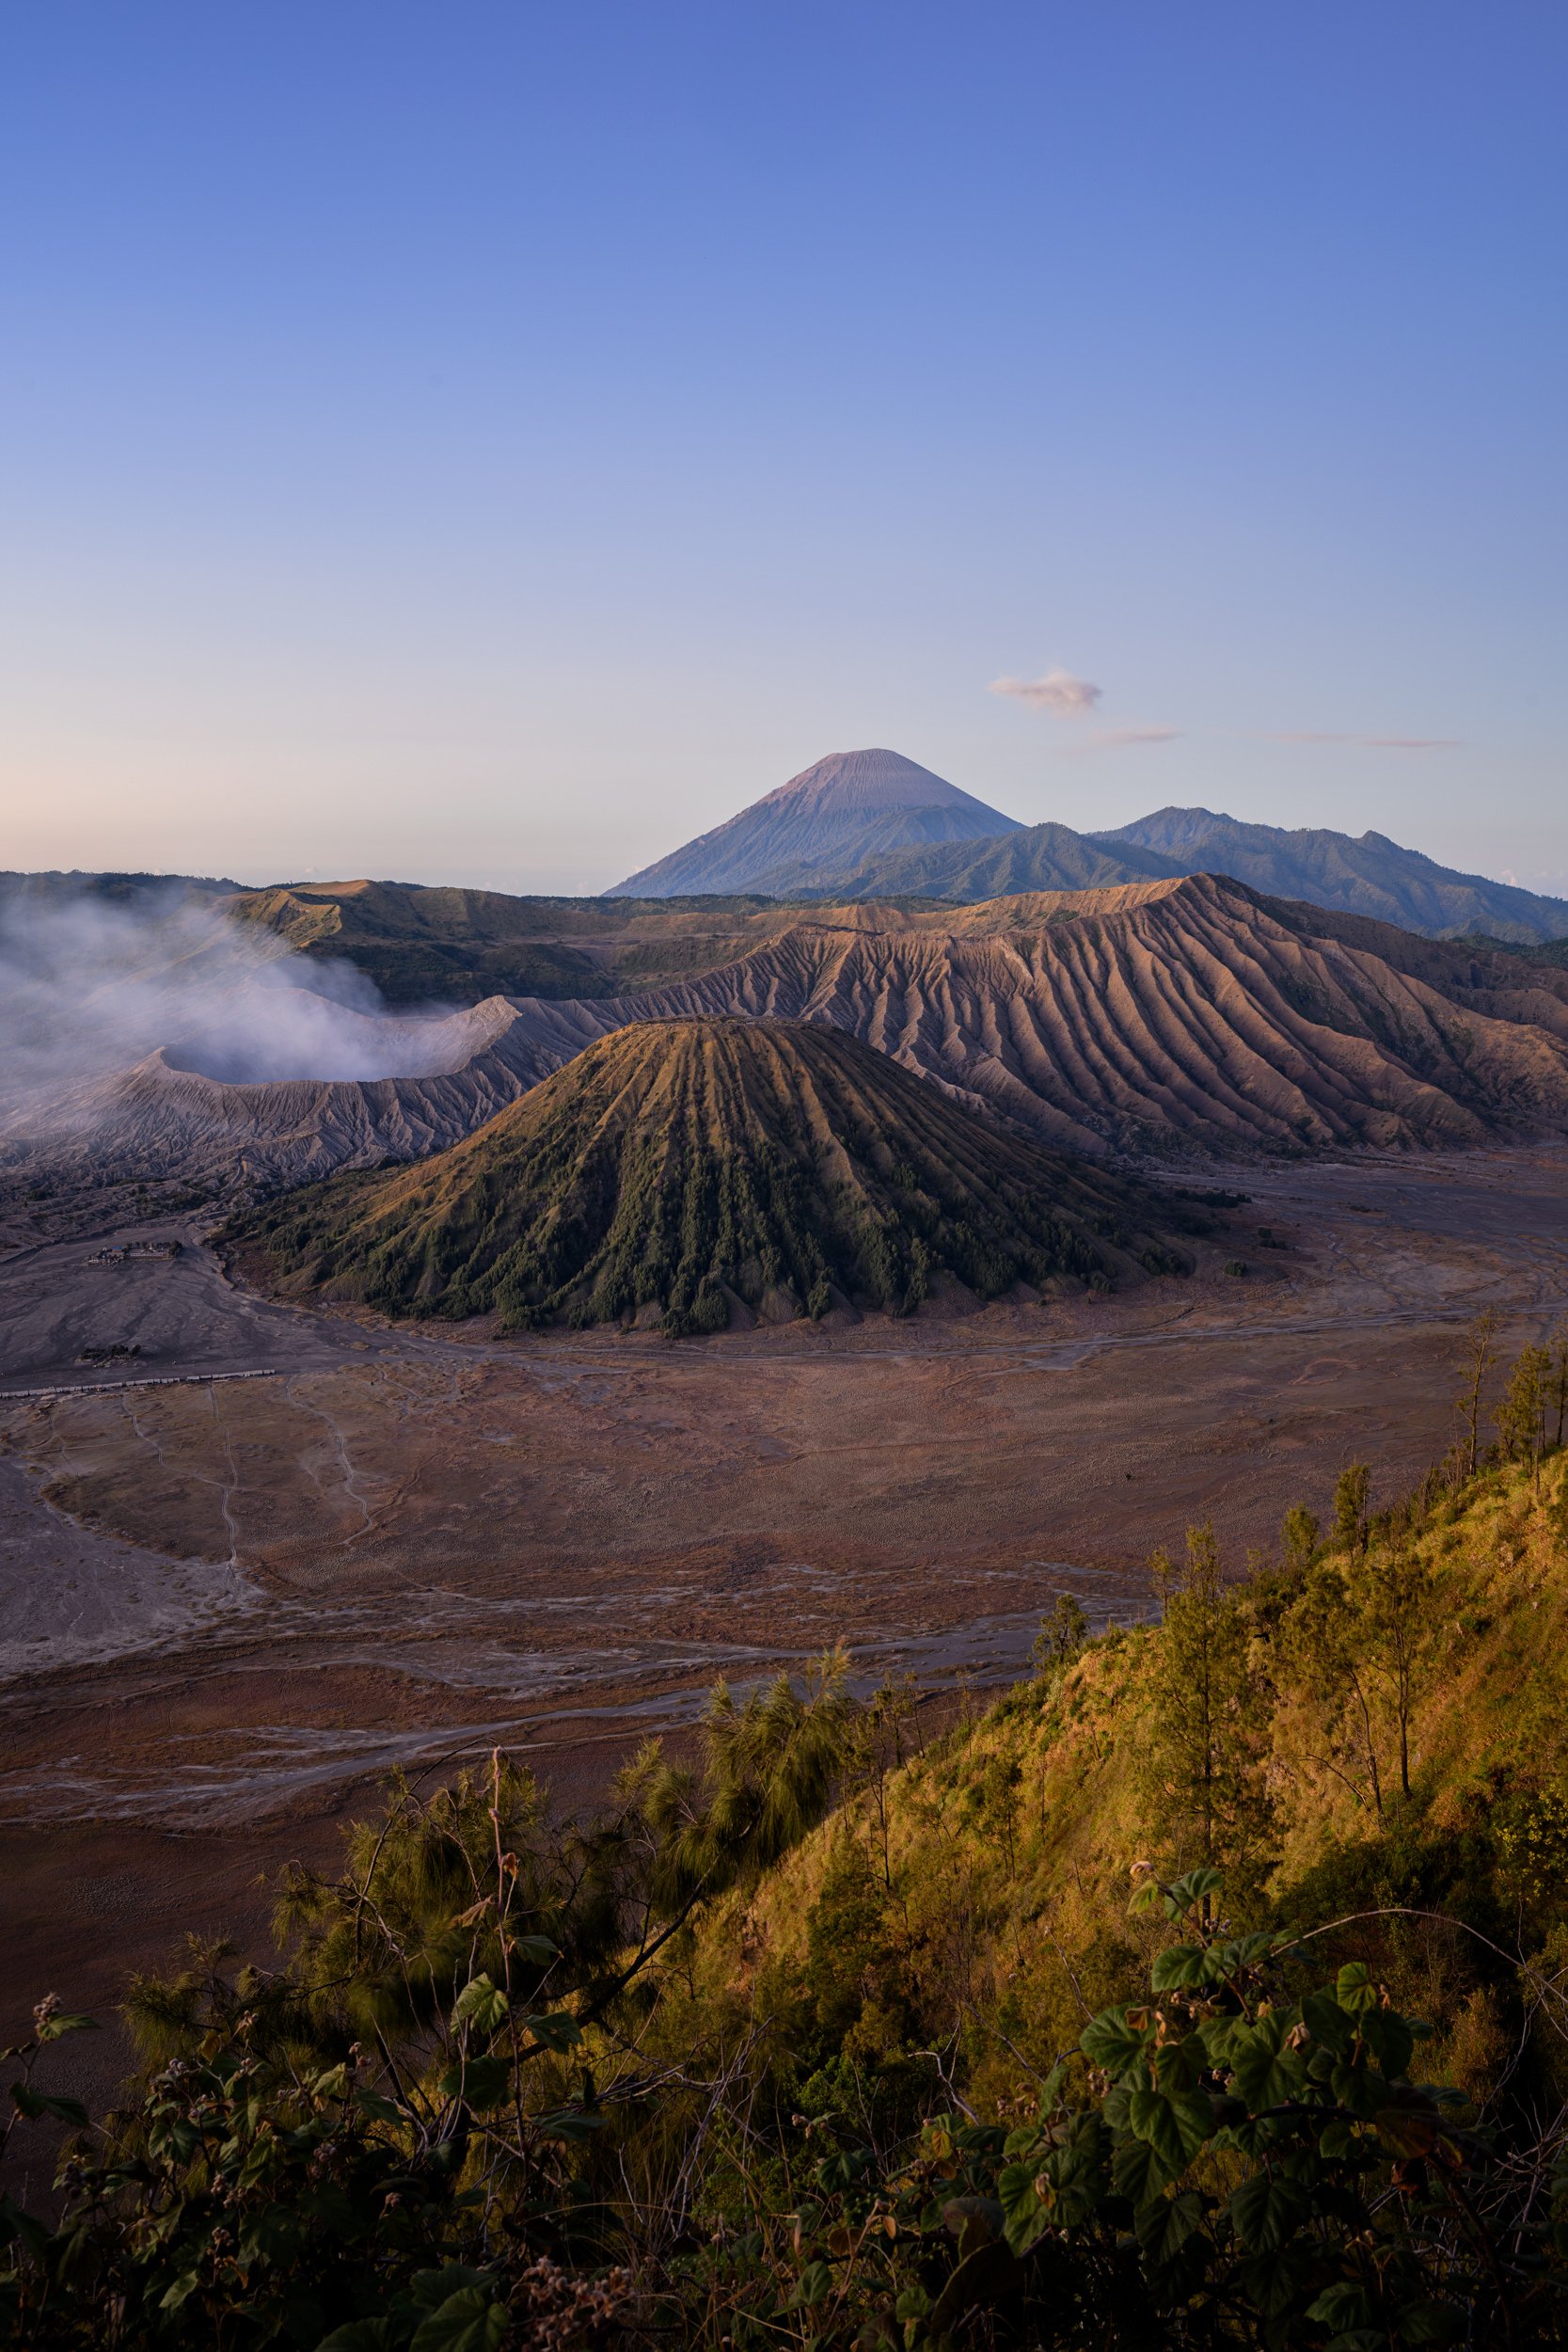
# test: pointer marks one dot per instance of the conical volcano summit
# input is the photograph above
(849, 807)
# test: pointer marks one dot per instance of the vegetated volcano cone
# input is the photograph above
(679, 1167)
(849, 807)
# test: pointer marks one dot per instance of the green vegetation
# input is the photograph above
(423, 944)
(676, 1167)
(823, 2043)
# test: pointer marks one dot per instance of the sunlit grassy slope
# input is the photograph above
(977, 1898)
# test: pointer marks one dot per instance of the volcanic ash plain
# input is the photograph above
(231, 1603)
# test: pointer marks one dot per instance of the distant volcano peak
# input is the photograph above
(847, 806)
(869, 780)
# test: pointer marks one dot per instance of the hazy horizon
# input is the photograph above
(524, 884)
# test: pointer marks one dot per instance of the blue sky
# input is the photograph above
(495, 442)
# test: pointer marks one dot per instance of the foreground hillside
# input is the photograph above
(1376, 1716)
(813, 2042)
(683, 1172)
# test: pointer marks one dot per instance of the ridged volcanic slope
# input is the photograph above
(1171, 1015)
(679, 1166)
(1158, 1017)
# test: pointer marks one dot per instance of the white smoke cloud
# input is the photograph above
(1058, 692)
(89, 988)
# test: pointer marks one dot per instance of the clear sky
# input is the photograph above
(494, 442)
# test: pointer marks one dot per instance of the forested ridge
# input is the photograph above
(1206, 1990)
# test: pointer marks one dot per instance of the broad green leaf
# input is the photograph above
(816, 2285)
(358, 2335)
(16, 2223)
(1342, 2306)
(1179, 2065)
(1175, 2123)
(556, 2028)
(1355, 1988)
(1217, 2034)
(1431, 2322)
(432, 2287)
(275, 2234)
(1189, 1891)
(1181, 1965)
(468, 2321)
(1267, 2210)
(537, 1949)
(1265, 2074)
(67, 2021)
(33, 2104)
(1389, 2038)
(1109, 2042)
(1327, 2022)
(1026, 2216)
(572, 2122)
(1137, 2170)
(1165, 2224)
(1352, 2086)
(383, 2110)
(481, 2004)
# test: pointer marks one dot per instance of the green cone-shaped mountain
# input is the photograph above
(677, 1166)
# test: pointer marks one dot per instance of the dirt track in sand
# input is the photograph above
(230, 1606)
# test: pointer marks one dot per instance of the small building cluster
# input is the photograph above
(122, 1253)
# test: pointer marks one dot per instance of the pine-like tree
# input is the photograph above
(1204, 1789)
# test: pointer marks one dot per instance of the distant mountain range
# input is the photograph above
(874, 825)
(850, 808)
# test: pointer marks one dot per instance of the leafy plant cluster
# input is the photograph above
(1240, 2157)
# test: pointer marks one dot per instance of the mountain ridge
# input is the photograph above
(1368, 875)
(1359, 874)
(1184, 1016)
(844, 809)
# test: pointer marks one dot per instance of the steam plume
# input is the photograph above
(89, 987)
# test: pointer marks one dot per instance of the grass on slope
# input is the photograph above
(976, 1900)
(676, 1163)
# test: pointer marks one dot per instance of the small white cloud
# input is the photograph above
(1059, 693)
